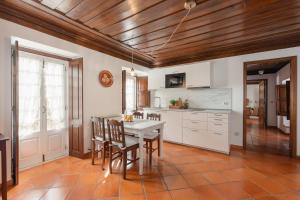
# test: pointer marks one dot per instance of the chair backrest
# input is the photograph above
(153, 116)
(98, 127)
(138, 115)
(116, 132)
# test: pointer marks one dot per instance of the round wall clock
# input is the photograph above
(106, 78)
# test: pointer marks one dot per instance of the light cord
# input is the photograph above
(169, 39)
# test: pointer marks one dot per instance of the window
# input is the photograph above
(130, 93)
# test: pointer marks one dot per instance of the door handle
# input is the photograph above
(44, 109)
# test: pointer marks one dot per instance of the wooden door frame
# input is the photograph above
(293, 100)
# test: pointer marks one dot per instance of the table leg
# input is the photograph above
(141, 154)
(4, 176)
(161, 142)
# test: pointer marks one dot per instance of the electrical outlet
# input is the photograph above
(236, 133)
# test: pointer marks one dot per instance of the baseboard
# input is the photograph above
(236, 147)
(87, 155)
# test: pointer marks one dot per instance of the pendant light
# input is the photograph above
(132, 72)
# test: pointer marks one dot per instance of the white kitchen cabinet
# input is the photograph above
(198, 75)
(173, 126)
(156, 79)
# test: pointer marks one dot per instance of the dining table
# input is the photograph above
(140, 127)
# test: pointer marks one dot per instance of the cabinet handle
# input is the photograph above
(218, 115)
(195, 122)
(218, 124)
(194, 130)
(218, 119)
(217, 133)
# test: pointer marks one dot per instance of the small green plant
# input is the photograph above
(173, 102)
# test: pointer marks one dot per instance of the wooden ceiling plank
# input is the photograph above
(233, 50)
(187, 25)
(83, 8)
(207, 23)
(121, 12)
(101, 9)
(67, 5)
(228, 26)
(51, 3)
(228, 40)
(202, 10)
(164, 8)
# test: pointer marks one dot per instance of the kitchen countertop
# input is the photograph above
(191, 110)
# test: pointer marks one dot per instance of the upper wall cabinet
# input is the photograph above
(198, 75)
(156, 79)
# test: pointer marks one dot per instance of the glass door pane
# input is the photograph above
(54, 79)
(29, 96)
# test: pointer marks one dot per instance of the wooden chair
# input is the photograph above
(149, 138)
(121, 143)
(138, 115)
(99, 139)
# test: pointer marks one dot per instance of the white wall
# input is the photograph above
(97, 99)
(253, 95)
(271, 110)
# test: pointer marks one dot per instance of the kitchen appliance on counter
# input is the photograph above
(175, 80)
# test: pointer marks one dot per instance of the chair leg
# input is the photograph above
(124, 163)
(150, 153)
(110, 159)
(158, 146)
(103, 155)
(93, 152)
(146, 147)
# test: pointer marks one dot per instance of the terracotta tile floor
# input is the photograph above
(185, 173)
(269, 140)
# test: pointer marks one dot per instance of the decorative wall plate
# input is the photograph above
(106, 78)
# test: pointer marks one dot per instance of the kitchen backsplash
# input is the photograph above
(198, 98)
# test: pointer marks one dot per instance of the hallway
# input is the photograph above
(269, 140)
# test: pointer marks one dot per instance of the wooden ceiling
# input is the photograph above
(213, 29)
(268, 67)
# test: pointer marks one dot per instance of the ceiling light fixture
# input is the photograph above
(261, 72)
(188, 5)
(132, 72)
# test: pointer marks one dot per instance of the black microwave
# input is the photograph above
(175, 80)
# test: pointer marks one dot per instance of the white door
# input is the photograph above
(42, 110)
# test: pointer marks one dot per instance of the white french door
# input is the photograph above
(43, 133)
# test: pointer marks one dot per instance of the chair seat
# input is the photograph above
(151, 135)
(129, 140)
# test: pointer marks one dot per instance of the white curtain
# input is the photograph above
(29, 95)
(130, 93)
(54, 76)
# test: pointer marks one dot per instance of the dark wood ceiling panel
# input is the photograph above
(119, 12)
(166, 8)
(100, 10)
(206, 33)
(171, 21)
(253, 35)
(67, 5)
(83, 8)
(231, 16)
(213, 29)
(268, 68)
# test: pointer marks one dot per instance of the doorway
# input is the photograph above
(270, 106)
(43, 132)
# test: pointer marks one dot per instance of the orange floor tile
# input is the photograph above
(185, 173)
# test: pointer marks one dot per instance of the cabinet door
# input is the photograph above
(198, 75)
(173, 126)
(156, 79)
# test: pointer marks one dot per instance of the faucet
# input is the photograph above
(159, 105)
